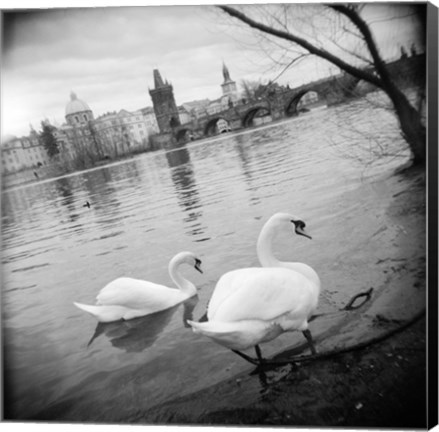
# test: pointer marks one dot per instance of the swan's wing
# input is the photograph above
(305, 269)
(135, 294)
(262, 294)
(223, 289)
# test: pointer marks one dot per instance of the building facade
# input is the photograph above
(123, 132)
(150, 120)
(23, 153)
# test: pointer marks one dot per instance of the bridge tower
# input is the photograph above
(165, 108)
(228, 86)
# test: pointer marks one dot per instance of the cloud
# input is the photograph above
(107, 56)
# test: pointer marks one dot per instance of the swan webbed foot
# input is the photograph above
(308, 337)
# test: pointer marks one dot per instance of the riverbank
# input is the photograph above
(381, 385)
(52, 172)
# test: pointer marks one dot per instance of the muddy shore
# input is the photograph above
(383, 384)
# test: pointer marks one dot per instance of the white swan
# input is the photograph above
(127, 298)
(254, 305)
(281, 222)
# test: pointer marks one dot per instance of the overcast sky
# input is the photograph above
(107, 55)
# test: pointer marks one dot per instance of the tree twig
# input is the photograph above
(360, 73)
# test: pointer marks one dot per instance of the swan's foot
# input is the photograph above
(259, 355)
(308, 337)
(246, 357)
(259, 361)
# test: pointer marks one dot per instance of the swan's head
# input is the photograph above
(285, 219)
(188, 258)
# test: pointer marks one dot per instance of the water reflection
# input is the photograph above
(16, 203)
(138, 334)
(64, 190)
(178, 157)
(182, 175)
(103, 196)
(243, 155)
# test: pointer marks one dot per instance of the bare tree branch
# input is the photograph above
(368, 38)
(360, 73)
(295, 60)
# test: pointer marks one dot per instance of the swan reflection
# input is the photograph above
(138, 334)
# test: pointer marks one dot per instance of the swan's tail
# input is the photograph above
(237, 335)
(222, 333)
(220, 327)
(103, 313)
(212, 330)
(195, 326)
(94, 310)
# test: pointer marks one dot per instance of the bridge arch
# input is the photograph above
(293, 106)
(184, 134)
(251, 114)
(216, 125)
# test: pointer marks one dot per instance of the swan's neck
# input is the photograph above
(182, 283)
(264, 247)
(267, 258)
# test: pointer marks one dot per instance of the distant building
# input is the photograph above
(163, 100)
(184, 115)
(82, 136)
(206, 107)
(23, 153)
(12, 155)
(197, 108)
(78, 131)
(121, 133)
(78, 113)
(150, 120)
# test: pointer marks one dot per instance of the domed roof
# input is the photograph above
(76, 105)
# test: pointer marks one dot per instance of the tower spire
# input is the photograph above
(226, 73)
(228, 86)
(158, 81)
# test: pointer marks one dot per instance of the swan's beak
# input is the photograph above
(197, 266)
(301, 231)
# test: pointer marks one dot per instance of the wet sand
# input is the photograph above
(381, 381)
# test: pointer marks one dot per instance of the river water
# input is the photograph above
(210, 197)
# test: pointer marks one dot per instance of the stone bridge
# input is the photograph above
(280, 102)
(277, 104)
